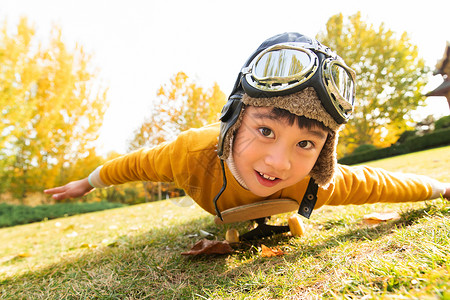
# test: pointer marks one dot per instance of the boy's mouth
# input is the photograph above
(267, 180)
(265, 176)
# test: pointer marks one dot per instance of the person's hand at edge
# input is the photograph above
(73, 189)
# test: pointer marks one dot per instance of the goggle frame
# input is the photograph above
(276, 85)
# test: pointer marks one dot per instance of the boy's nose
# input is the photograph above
(278, 157)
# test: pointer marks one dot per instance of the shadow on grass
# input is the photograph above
(150, 265)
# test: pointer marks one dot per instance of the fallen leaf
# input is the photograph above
(69, 227)
(113, 244)
(376, 218)
(205, 246)
(86, 245)
(270, 252)
(23, 254)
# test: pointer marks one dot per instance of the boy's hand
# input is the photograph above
(73, 189)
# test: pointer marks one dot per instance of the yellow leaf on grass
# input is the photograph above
(86, 245)
(376, 218)
(23, 254)
(69, 227)
(270, 252)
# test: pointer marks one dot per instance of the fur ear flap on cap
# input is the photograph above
(229, 136)
(323, 170)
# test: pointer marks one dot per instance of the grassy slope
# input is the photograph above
(134, 252)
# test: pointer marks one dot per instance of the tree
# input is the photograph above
(390, 77)
(51, 108)
(180, 105)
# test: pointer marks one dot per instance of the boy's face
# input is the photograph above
(270, 154)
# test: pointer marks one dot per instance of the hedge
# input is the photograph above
(443, 122)
(437, 138)
(11, 215)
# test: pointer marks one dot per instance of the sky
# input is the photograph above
(138, 45)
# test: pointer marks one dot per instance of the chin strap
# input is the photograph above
(224, 185)
(309, 199)
(306, 206)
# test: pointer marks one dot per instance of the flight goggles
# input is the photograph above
(286, 68)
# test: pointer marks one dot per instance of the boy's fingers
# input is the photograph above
(55, 190)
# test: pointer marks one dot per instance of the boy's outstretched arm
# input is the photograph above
(73, 189)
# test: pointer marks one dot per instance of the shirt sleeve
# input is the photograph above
(167, 162)
(363, 184)
(146, 164)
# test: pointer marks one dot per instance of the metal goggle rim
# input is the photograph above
(345, 101)
(344, 95)
(279, 83)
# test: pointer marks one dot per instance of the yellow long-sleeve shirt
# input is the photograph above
(191, 162)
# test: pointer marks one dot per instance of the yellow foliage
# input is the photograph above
(180, 105)
(390, 78)
(52, 109)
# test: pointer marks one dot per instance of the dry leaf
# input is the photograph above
(23, 254)
(270, 252)
(69, 227)
(376, 218)
(210, 247)
(86, 245)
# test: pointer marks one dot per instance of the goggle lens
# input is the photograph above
(282, 64)
(344, 84)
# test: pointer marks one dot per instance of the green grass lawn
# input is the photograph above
(134, 253)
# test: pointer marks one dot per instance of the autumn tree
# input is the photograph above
(51, 109)
(180, 105)
(390, 78)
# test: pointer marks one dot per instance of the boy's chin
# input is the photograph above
(262, 193)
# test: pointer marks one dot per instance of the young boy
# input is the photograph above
(276, 139)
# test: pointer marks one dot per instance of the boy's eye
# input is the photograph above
(305, 144)
(266, 132)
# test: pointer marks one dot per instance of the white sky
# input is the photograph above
(139, 44)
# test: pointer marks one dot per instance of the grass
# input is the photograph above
(134, 253)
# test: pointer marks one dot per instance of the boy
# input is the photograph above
(277, 139)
